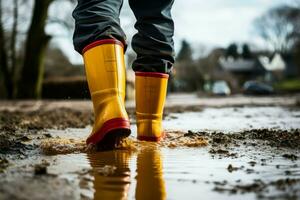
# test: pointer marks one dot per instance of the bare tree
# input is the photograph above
(277, 28)
(32, 72)
(13, 52)
(24, 79)
(4, 69)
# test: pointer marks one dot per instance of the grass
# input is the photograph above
(290, 85)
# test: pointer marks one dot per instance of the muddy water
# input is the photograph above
(235, 119)
(160, 173)
(155, 172)
(249, 170)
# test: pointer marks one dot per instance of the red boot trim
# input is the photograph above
(99, 42)
(112, 124)
(151, 138)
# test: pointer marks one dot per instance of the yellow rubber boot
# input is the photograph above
(151, 89)
(105, 72)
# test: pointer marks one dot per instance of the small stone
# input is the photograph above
(290, 156)
(40, 169)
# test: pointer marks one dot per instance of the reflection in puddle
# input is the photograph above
(150, 183)
(117, 174)
(111, 174)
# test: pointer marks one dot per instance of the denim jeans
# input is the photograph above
(153, 43)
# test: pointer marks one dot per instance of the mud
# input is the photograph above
(4, 163)
(271, 137)
(41, 119)
(44, 153)
(38, 187)
(261, 188)
(56, 146)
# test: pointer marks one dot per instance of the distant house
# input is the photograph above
(273, 64)
(263, 67)
(243, 69)
(275, 67)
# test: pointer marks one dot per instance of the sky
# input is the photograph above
(219, 22)
(209, 23)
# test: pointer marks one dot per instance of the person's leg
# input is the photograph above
(96, 20)
(96, 30)
(153, 43)
(155, 56)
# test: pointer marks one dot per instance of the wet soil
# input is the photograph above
(42, 151)
(42, 119)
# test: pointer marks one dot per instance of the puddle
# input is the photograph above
(235, 119)
(164, 173)
(187, 165)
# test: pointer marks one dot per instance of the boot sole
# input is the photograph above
(110, 133)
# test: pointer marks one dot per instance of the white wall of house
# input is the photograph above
(275, 64)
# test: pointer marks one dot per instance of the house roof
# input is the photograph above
(237, 65)
(273, 64)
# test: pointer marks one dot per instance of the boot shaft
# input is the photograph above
(105, 68)
(151, 89)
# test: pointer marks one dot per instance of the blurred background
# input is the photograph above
(222, 48)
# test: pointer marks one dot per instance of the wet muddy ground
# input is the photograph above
(230, 152)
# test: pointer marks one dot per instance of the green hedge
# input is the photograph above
(291, 85)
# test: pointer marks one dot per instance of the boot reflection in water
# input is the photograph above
(111, 174)
(150, 182)
(99, 37)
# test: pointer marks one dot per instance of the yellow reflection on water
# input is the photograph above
(111, 174)
(150, 182)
